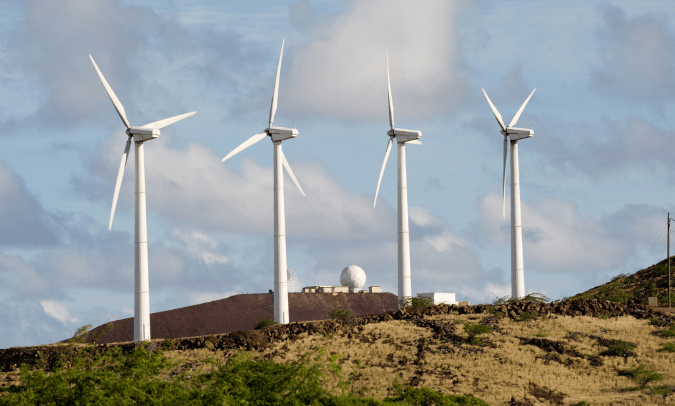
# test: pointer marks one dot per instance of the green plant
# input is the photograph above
(641, 374)
(528, 316)
(108, 327)
(419, 301)
(667, 347)
(531, 298)
(340, 313)
(620, 349)
(541, 334)
(167, 344)
(80, 335)
(669, 332)
(474, 330)
(117, 378)
(582, 403)
(265, 323)
(604, 316)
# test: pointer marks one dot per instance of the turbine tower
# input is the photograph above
(515, 134)
(402, 137)
(140, 135)
(277, 134)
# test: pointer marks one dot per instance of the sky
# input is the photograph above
(596, 182)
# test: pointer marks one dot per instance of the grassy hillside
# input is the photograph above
(601, 347)
(564, 353)
(652, 281)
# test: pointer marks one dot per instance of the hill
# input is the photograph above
(242, 312)
(562, 353)
(651, 281)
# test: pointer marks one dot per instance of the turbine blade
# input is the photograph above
(273, 108)
(386, 156)
(517, 116)
(504, 180)
(163, 123)
(245, 145)
(290, 172)
(416, 142)
(120, 174)
(111, 94)
(391, 102)
(494, 111)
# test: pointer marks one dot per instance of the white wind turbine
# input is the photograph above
(515, 134)
(402, 137)
(140, 135)
(277, 134)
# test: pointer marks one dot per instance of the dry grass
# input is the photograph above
(390, 350)
(380, 353)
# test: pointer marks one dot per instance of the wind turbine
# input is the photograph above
(277, 134)
(515, 134)
(140, 135)
(402, 137)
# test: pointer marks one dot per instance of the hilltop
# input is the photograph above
(648, 282)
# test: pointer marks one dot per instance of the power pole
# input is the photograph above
(668, 253)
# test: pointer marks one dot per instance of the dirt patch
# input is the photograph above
(545, 394)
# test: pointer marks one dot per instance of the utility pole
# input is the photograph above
(668, 253)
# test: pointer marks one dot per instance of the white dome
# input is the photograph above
(353, 276)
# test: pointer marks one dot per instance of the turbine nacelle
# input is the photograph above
(142, 134)
(404, 135)
(518, 133)
(281, 133)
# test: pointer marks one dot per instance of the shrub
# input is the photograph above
(265, 323)
(420, 301)
(80, 335)
(670, 332)
(528, 316)
(620, 277)
(340, 313)
(108, 327)
(119, 379)
(667, 347)
(604, 316)
(654, 321)
(541, 334)
(642, 374)
(620, 349)
(476, 329)
(531, 298)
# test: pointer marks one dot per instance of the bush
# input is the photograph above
(476, 329)
(620, 349)
(670, 332)
(340, 313)
(264, 323)
(420, 301)
(531, 298)
(135, 378)
(528, 316)
(80, 335)
(642, 374)
(654, 321)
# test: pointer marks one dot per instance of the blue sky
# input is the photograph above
(595, 178)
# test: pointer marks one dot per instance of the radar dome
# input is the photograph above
(353, 276)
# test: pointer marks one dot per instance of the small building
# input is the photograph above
(438, 298)
(374, 289)
(340, 289)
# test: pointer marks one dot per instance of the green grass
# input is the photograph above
(669, 332)
(642, 375)
(620, 349)
(528, 316)
(667, 347)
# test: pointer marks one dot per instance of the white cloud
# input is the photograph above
(341, 70)
(58, 310)
(201, 246)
